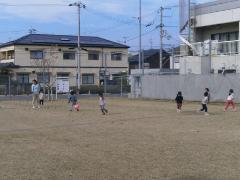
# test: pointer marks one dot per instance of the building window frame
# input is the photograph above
(36, 54)
(93, 55)
(88, 79)
(116, 56)
(46, 78)
(69, 55)
(23, 78)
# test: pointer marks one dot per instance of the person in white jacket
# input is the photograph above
(230, 101)
(35, 94)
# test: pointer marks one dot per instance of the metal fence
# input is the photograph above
(213, 47)
(114, 85)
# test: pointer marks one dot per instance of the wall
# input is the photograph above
(220, 17)
(192, 86)
(228, 61)
(201, 65)
(22, 57)
(194, 65)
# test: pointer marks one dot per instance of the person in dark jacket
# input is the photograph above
(179, 101)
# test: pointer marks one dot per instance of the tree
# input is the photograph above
(44, 67)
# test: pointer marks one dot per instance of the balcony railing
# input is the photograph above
(213, 48)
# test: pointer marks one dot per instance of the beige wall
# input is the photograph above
(23, 56)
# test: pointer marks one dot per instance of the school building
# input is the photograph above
(214, 35)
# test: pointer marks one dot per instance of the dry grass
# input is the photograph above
(138, 140)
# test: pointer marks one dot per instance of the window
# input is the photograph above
(23, 78)
(116, 56)
(69, 55)
(226, 47)
(63, 74)
(43, 77)
(88, 79)
(36, 54)
(93, 55)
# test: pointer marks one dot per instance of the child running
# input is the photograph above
(230, 101)
(204, 104)
(41, 97)
(72, 100)
(102, 104)
(179, 101)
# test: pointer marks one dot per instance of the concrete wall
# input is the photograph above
(192, 86)
(220, 17)
(194, 65)
(229, 62)
(201, 65)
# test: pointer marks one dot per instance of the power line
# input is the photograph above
(21, 5)
(143, 34)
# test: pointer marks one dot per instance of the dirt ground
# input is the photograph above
(138, 140)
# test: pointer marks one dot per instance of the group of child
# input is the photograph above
(74, 105)
(206, 100)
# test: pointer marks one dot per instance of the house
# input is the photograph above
(215, 38)
(151, 60)
(45, 57)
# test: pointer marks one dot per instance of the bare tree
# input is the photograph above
(45, 66)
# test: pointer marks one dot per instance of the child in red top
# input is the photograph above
(230, 101)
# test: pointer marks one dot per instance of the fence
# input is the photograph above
(114, 85)
(214, 48)
(192, 86)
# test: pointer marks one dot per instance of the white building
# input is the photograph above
(215, 38)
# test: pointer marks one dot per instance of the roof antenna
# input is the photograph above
(32, 31)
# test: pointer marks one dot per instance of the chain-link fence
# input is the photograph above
(8, 86)
(118, 84)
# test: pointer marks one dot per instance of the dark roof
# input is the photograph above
(63, 40)
(147, 54)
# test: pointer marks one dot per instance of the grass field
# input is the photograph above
(138, 140)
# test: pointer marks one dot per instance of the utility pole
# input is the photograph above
(161, 39)
(161, 10)
(189, 20)
(140, 35)
(79, 5)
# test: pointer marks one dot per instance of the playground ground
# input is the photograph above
(138, 140)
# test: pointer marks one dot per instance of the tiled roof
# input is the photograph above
(63, 40)
(147, 54)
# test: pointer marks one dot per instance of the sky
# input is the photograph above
(115, 20)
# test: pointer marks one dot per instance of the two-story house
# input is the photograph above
(45, 57)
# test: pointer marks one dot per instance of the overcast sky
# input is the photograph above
(111, 19)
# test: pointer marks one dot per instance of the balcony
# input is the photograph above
(7, 56)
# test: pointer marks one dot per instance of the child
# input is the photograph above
(179, 100)
(204, 104)
(208, 91)
(102, 104)
(230, 101)
(41, 97)
(72, 100)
